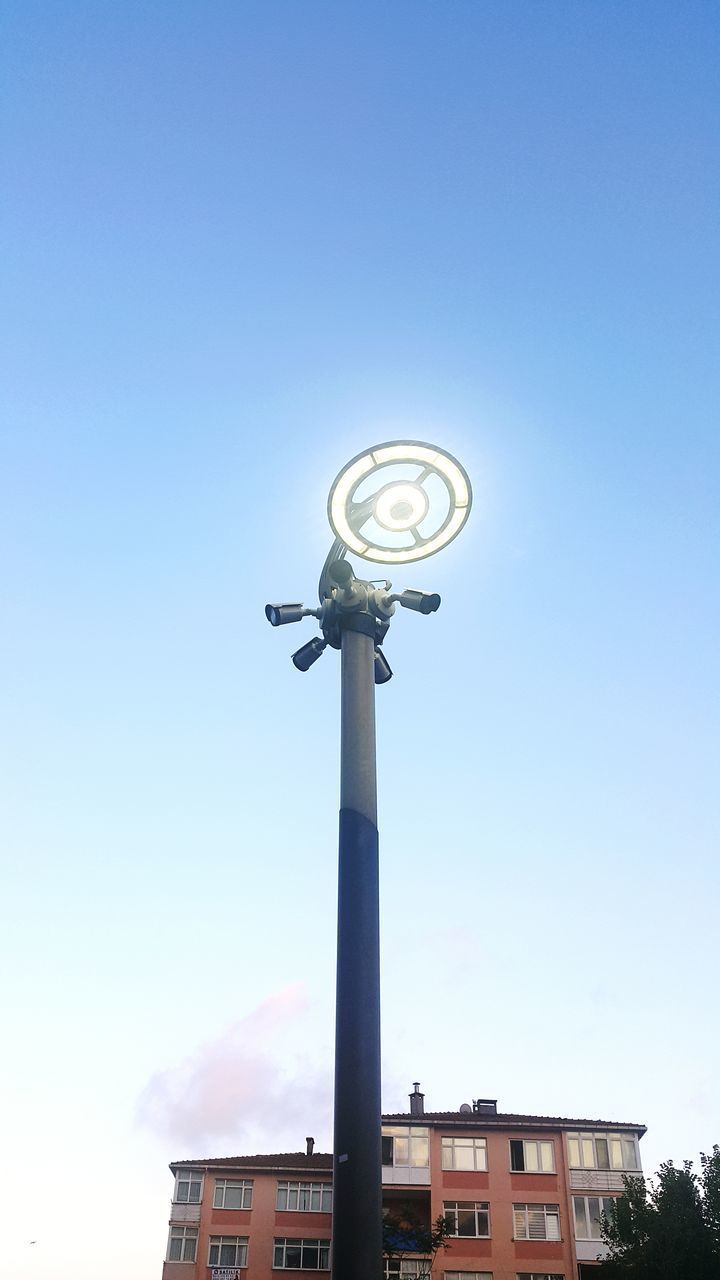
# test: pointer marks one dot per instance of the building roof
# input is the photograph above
(507, 1120)
(318, 1161)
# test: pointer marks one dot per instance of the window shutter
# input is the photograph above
(536, 1224)
(520, 1223)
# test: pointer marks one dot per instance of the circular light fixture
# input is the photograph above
(400, 506)
(399, 501)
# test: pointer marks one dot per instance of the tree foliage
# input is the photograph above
(666, 1229)
(404, 1235)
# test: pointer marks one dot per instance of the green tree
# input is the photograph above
(404, 1236)
(666, 1229)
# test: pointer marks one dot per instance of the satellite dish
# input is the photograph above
(466, 1108)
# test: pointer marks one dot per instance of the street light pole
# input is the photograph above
(357, 1190)
(354, 617)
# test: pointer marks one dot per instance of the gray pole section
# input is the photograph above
(358, 773)
(357, 1186)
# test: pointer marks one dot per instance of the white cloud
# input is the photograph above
(249, 1086)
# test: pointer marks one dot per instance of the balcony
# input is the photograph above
(589, 1250)
(599, 1179)
(406, 1204)
(185, 1213)
(405, 1175)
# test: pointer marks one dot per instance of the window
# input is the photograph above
(405, 1146)
(228, 1251)
(468, 1218)
(188, 1187)
(539, 1275)
(602, 1151)
(412, 1268)
(532, 1157)
(305, 1197)
(302, 1255)
(230, 1194)
(467, 1275)
(536, 1222)
(588, 1210)
(464, 1153)
(182, 1245)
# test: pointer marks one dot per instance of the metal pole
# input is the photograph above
(357, 1171)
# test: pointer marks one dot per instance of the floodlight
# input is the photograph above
(399, 501)
(383, 670)
(420, 601)
(309, 653)
(341, 572)
(280, 614)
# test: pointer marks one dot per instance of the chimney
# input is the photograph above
(310, 1144)
(417, 1100)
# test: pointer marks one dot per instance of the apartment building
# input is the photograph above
(523, 1195)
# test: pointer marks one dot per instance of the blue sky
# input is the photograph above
(242, 242)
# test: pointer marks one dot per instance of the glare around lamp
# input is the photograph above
(399, 501)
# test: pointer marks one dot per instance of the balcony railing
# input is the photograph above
(589, 1250)
(405, 1175)
(184, 1212)
(599, 1179)
(228, 1273)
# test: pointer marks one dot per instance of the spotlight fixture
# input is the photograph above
(341, 573)
(280, 614)
(309, 653)
(420, 601)
(399, 502)
(383, 670)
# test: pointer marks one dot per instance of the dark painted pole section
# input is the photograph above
(357, 1169)
(357, 1190)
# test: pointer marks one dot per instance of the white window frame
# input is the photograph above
(282, 1242)
(406, 1268)
(452, 1207)
(193, 1177)
(241, 1244)
(537, 1143)
(222, 1185)
(418, 1146)
(187, 1235)
(540, 1275)
(602, 1202)
(467, 1275)
(302, 1189)
(550, 1212)
(478, 1146)
(617, 1144)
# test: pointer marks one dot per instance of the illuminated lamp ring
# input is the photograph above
(348, 517)
(403, 498)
